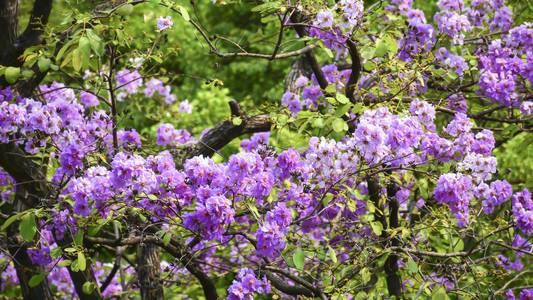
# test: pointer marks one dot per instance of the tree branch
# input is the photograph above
(282, 285)
(224, 132)
(356, 70)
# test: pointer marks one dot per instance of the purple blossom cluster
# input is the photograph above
(246, 284)
(130, 82)
(455, 62)
(525, 294)
(270, 236)
(210, 217)
(256, 142)
(8, 274)
(6, 185)
(522, 206)
(333, 39)
(451, 22)
(154, 85)
(164, 23)
(455, 190)
(506, 65)
(420, 36)
(168, 135)
(61, 122)
(352, 12)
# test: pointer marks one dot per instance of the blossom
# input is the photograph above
(324, 18)
(185, 107)
(164, 23)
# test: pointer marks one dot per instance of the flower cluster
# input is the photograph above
(453, 23)
(168, 135)
(455, 62)
(246, 284)
(164, 23)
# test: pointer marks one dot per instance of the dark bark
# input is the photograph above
(149, 270)
(79, 278)
(394, 284)
(310, 56)
(32, 189)
(298, 68)
(39, 17)
(176, 249)
(282, 285)
(9, 25)
(223, 133)
(25, 268)
(356, 70)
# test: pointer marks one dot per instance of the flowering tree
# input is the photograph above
(389, 187)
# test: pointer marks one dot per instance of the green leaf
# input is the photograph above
(412, 266)
(125, 10)
(299, 258)
(367, 52)
(28, 227)
(82, 263)
(88, 287)
(63, 50)
(36, 279)
(377, 227)
(152, 197)
(10, 220)
(74, 266)
(77, 59)
(236, 121)
(266, 7)
(327, 199)
(184, 14)
(85, 46)
(342, 99)
(78, 239)
(343, 109)
(166, 238)
(339, 125)
(96, 42)
(381, 47)
(64, 263)
(93, 230)
(370, 66)
(365, 275)
(331, 89)
(12, 74)
(439, 293)
(56, 252)
(392, 45)
(332, 254)
(318, 123)
(70, 250)
(44, 64)
(27, 74)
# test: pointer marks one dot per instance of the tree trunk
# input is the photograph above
(25, 268)
(149, 269)
(9, 27)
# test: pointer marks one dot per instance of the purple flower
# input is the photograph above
(324, 19)
(164, 23)
(185, 107)
(89, 99)
(40, 256)
(526, 294)
(270, 240)
(301, 81)
(455, 190)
